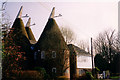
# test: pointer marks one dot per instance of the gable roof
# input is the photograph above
(77, 50)
(51, 37)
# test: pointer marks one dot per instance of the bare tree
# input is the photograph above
(117, 43)
(6, 23)
(105, 44)
(68, 34)
(83, 45)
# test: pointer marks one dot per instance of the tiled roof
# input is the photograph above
(51, 37)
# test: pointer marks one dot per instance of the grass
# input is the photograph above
(115, 77)
(112, 77)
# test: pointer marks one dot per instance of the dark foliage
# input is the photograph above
(100, 62)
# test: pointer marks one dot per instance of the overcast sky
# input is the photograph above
(86, 19)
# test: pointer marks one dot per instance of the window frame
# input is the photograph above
(38, 50)
(42, 54)
(53, 54)
(80, 71)
(35, 55)
(54, 68)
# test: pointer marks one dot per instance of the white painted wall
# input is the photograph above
(84, 61)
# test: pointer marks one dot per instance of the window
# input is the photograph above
(53, 54)
(80, 71)
(38, 50)
(54, 70)
(32, 48)
(67, 71)
(43, 55)
(35, 55)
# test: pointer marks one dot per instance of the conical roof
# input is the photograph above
(51, 37)
(19, 27)
(29, 32)
(19, 33)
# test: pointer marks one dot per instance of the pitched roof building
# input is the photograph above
(80, 61)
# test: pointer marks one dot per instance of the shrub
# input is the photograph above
(44, 75)
(87, 76)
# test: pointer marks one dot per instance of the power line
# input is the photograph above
(43, 5)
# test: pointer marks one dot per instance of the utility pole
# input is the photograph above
(92, 56)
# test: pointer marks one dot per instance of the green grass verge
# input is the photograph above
(115, 77)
